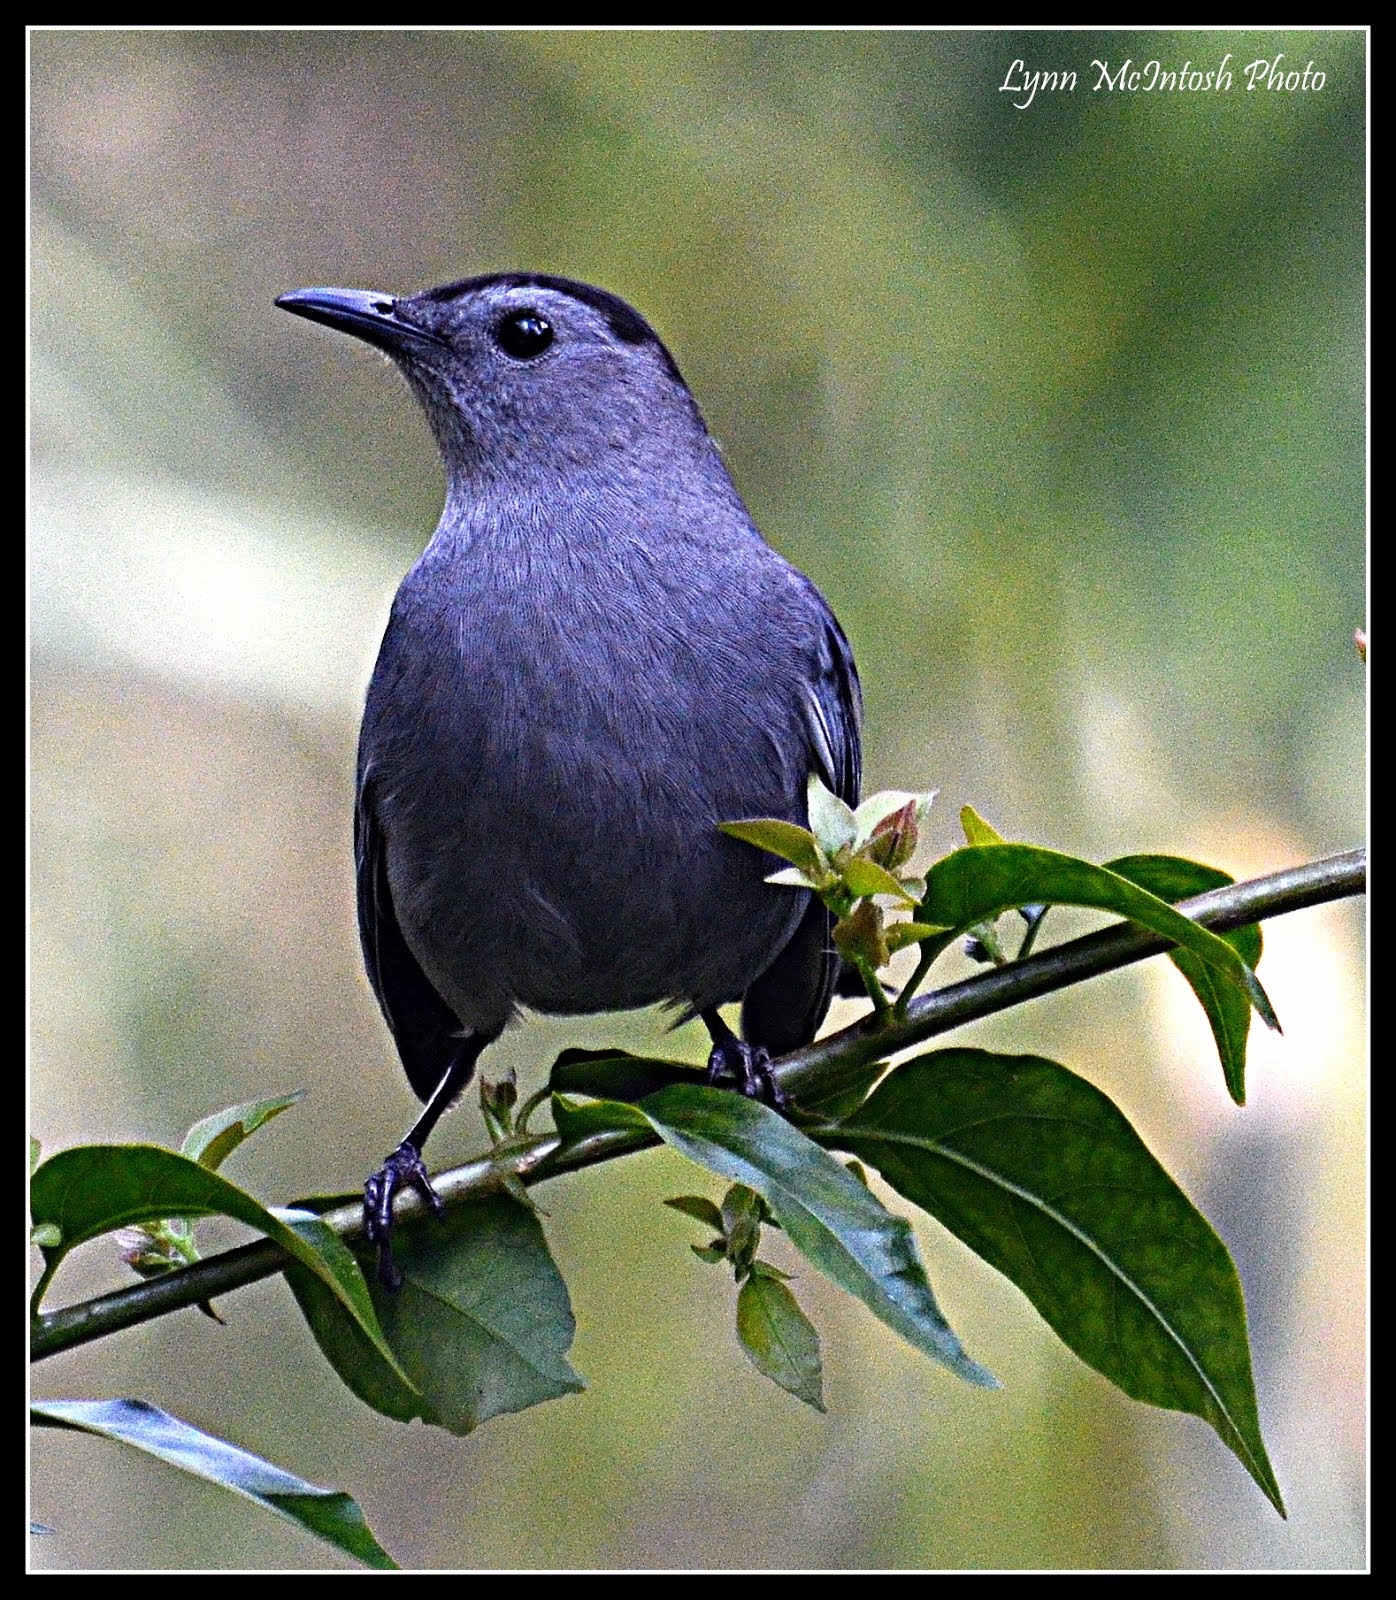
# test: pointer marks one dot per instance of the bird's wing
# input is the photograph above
(834, 710)
(782, 1010)
(424, 1028)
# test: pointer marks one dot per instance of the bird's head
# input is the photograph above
(526, 377)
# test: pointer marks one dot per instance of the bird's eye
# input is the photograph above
(523, 335)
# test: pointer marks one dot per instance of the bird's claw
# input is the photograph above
(404, 1169)
(746, 1068)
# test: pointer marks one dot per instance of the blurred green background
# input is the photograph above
(1063, 409)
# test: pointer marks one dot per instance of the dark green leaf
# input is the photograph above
(699, 1208)
(335, 1518)
(368, 1368)
(981, 881)
(615, 1074)
(574, 1120)
(481, 1325)
(830, 1217)
(779, 1338)
(213, 1140)
(710, 1253)
(843, 1087)
(764, 1269)
(1173, 878)
(1041, 1174)
(93, 1189)
(742, 1212)
(742, 1208)
(783, 839)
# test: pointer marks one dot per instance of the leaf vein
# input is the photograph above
(1084, 1238)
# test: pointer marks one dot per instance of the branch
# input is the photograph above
(803, 1073)
(1295, 889)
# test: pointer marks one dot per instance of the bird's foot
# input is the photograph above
(404, 1169)
(746, 1068)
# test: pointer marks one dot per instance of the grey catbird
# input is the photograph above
(596, 661)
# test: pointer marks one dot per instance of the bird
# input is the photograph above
(596, 660)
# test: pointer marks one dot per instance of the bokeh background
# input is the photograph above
(1062, 407)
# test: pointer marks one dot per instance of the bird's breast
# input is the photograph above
(551, 765)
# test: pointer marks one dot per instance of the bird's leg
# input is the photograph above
(405, 1167)
(744, 1067)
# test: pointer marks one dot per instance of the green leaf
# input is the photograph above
(700, 1209)
(36, 1151)
(742, 1215)
(368, 1368)
(830, 820)
(830, 1217)
(784, 839)
(1174, 878)
(764, 1269)
(94, 1189)
(616, 1074)
(780, 1338)
(481, 1325)
(981, 881)
(574, 1120)
(865, 877)
(213, 1140)
(843, 1087)
(1040, 1173)
(330, 1516)
(977, 831)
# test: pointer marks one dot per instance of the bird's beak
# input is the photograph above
(372, 317)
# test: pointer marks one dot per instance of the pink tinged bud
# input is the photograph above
(894, 839)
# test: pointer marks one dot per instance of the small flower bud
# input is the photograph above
(894, 839)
